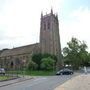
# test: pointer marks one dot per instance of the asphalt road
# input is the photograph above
(39, 83)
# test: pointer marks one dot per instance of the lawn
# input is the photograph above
(40, 73)
(33, 73)
(2, 77)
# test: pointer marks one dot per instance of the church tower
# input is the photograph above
(49, 35)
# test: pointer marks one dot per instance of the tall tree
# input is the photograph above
(75, 53)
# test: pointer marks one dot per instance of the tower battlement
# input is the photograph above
(49, 15)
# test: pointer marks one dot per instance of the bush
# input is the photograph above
(32, 65)
(47, 63)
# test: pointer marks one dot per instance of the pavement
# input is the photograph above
(13, 81)
(81, 82)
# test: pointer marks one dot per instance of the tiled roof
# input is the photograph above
(19, 50)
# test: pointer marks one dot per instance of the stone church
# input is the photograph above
(49, 43)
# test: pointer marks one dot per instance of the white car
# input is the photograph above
(2, 71)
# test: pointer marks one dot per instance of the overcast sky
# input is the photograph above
(20, 21)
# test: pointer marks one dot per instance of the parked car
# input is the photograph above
(65, 71)
(2, 71)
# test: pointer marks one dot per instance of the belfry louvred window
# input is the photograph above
(48, 25)
(44, 26)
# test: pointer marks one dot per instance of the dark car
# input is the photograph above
(65, 71)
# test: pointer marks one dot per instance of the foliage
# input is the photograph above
(37, 58)
(47, 63)
(49, 55)
(5, 77)
(32, 65)
(75, 53)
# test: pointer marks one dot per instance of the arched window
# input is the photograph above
(11, 64)
(48, 25)
(44, 26)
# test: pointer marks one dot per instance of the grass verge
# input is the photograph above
(40, 73)
(33, 73)
(2, 78)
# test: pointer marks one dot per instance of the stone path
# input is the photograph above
(81, 82)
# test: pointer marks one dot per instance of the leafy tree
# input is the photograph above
(46, 55)
(47, 63)
(88, 59)
(37, 58)
(32, 65)
(75, 53)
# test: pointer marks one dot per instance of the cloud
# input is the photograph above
(20, 20)
(77, 26)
